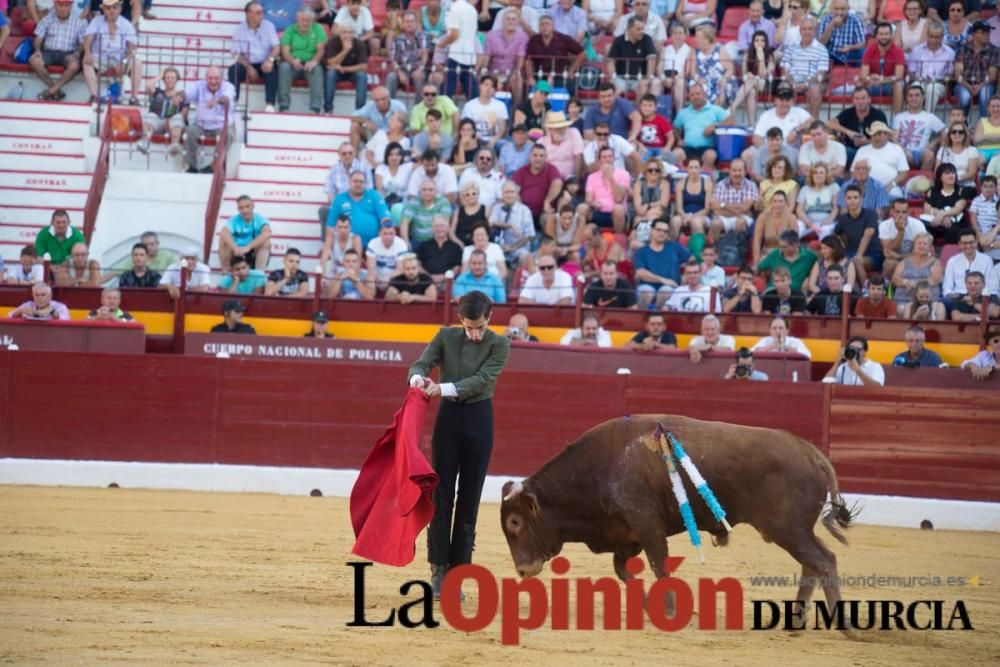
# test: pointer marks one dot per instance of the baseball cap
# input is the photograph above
(544, 87)
(981, 26)
(784, 94)
(190, 251)
(321, 316)
(386, 224)
(231, 305)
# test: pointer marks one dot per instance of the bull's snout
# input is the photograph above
(529, 569)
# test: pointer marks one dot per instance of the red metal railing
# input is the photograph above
(99, 180)
(218, 182)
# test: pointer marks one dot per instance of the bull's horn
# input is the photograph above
(514, 490)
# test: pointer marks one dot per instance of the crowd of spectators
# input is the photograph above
(493, 178)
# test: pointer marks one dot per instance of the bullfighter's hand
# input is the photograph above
(432, 389)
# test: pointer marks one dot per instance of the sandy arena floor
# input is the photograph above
(101, 575)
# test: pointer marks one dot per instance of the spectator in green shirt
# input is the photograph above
(418, 215)
(58, 238)
(431, 100)
(301, 51)
(242, 279)
(798, 260)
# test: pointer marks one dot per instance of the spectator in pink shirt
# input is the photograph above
(563, 144)
(504, 54)
(41, 306)
(211, 101)
(607, 192)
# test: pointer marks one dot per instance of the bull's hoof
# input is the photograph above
(669, 604)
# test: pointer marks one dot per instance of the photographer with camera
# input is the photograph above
(854, 367)
(517, 329)
(743, 368)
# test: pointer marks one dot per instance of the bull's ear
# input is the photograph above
(531, 503)
(506, 488)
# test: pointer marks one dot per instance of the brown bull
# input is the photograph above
(611, 491)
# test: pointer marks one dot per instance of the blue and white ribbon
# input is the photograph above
(699, 482)
(682, 500)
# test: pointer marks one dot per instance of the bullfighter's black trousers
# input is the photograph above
(460, 450)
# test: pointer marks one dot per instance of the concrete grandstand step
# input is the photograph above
(55, 111)
(36, 215)
(42, 162)
(206, 5)
(283, 174)
(13, 237)
(189, 28)
(184, 41)
(11, 197)
(271, 191)
(302, 212)
(291, 136)
(172, 12)
(14, 178)
(310, 250)
(69, 148)
(307, 124)
(39, 127)
(283, 157)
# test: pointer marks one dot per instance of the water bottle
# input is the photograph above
(15, 92)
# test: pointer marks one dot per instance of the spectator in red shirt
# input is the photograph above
(875, 304)
(540, 184)
(883, 66)
(656, 134)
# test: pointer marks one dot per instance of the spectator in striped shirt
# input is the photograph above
(807, 66)
(873, 195)
(843, 33)
(408, 55)
(58, 38)
(982, 216)
(932, 64)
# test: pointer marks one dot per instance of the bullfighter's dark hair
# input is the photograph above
(474, 305)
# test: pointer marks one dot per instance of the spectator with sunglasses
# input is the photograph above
(486, 176)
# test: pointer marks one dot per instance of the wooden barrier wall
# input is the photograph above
(920, 442)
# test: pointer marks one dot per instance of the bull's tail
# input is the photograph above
(838, 516)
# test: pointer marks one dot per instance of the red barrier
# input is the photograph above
(919, 442)
(74, 336)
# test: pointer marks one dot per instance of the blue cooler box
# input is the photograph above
(731, 141)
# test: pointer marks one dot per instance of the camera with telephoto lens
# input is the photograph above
(513, 332)
(744, 364)
(850, 353)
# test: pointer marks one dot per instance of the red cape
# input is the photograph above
(391, 501)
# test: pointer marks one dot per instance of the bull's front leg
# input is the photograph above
(654, 544)
(622, 556)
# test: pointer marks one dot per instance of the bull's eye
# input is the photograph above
(514, 523)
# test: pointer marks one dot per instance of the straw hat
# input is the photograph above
(555, 120)
(878, 126)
